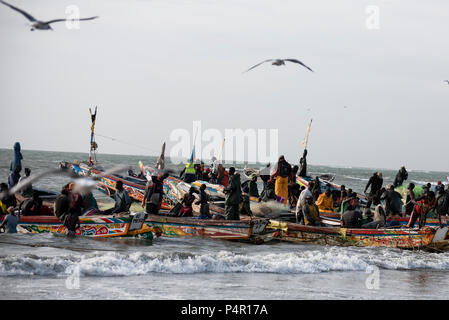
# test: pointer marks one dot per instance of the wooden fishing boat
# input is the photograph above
(246, 229)
(430, 222)
(92, 226)
(393, 238)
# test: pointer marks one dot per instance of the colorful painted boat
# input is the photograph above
(393, 238)
(245, 229)
(430, 222)
(93, 226)
(134, 186)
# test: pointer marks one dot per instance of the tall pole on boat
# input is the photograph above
(93, 144)
(306, 138)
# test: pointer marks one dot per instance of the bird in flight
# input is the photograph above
(41, 25)
(446, 81)
(280, 62)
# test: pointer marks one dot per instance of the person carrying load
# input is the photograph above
(282, 175)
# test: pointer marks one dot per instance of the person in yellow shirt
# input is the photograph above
(325, 202)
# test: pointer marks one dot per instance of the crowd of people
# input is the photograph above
(382, 207)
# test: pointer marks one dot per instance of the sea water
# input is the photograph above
(49, 266)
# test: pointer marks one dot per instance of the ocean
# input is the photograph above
(49, 266)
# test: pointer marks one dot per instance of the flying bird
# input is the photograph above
(446, 81)
(41, 25)
(279, 62)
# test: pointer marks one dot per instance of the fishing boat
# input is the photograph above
(335, 236)
(248, 229)
(129, 225)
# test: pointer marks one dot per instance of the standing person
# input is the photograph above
(189, 172)
(14, 177)
(206, 175)
(203, 201)
(152, 199)
(71, 221)
(302, 200)
(293, 187)
(282, 175)
(410, 200)
(375, 182)
(220, 173)
(252, 184)
(225, 178)
(17, 161)
(233, 192)
(303, 164)
(62, 204)
(442, 203)
(28, 190)
(264, 175)
(187, 201)
(421, 210)
(245, 207)
(10, 221)
(316, 189)
(401, 176)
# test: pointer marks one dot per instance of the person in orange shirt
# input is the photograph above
(421, 210)
(325, 202)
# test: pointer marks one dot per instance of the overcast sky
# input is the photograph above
(153, 66)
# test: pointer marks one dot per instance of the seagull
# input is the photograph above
(41, 25)
(446, 81)
(280, 62)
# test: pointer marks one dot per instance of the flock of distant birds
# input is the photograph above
(45, 25)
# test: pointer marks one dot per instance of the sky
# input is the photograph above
(377, 97)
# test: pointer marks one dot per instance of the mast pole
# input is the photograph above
(93, 144)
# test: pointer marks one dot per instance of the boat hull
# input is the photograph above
(206, 228)
(392, 238)
(93, 226)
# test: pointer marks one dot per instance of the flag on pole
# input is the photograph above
(306, 138)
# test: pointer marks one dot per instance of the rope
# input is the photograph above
(124, 142)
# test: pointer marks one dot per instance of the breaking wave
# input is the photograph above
(115, 264)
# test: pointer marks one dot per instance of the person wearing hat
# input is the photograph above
(375, 182)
